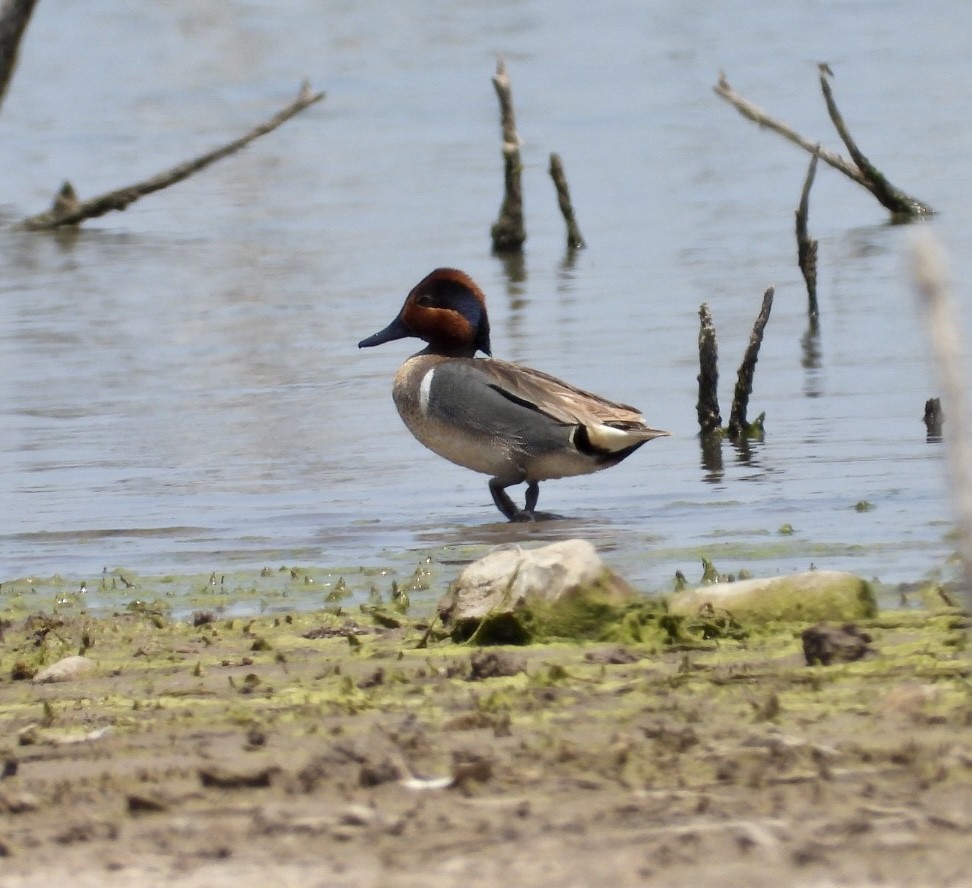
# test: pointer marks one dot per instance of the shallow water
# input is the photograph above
(181, 387)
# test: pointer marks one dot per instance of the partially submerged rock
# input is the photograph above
(811, 596)
(515, 595)
(67, 669)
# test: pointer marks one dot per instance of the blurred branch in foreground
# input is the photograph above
(930, 278)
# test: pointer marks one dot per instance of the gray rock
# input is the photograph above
(68, 669)
(811, 596)
(518, 594)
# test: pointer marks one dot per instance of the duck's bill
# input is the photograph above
(395, 330)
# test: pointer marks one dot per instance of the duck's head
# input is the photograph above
(447, 310)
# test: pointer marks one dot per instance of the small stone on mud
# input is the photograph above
(374, 680)
(256, 738)
(376, 773)
(141, 803)
(493, 664)
(469, 767)
(612, 657)
(216, 777)
(825, 645)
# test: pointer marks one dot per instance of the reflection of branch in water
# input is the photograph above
(811, 358)
(68, 210)
(711, 444)
(864, 173)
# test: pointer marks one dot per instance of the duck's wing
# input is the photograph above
(561, 401)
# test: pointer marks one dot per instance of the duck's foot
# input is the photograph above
(503, 502)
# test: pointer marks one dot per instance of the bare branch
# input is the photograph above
(896, 201)
(68, 210)
(14, 16)
(806, 245)
(758, 115)
(509, 231)
(738, 427)
(575, 240)
(892, 198)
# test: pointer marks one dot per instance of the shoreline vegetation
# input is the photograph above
(349, 742)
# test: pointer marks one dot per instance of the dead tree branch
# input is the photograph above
(707, 407)
(575, 240)
(806, 245)
(68, 210)
(509, 231)
(14, 17)
(891, 198)
(738, 426)
(895, 200)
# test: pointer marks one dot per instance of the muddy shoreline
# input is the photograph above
(325, 748)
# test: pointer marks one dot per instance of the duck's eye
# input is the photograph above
(425, 300)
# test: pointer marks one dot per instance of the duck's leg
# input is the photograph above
(497, 487)
(532, 495)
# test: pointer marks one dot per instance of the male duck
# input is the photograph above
(511, 422)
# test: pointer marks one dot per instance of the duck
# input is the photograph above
(508, 421)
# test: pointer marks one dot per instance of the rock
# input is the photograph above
(812, 596)
(514, 595)
(68, 669)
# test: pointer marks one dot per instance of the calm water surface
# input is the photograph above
(181, 388)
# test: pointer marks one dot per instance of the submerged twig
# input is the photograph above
(574, 239)
(707, 407)
(862, 172)
(508, 231)
(68, 210)
(14, 17)
(806, 245)
(930, 279)
(738, 426)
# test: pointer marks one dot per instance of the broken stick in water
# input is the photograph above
(508, 231)
(806, 245)
(738, 425)
(574, 239)
(707, 407)
(934, 419)
(14, 17)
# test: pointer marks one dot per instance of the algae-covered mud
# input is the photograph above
(355, 745)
